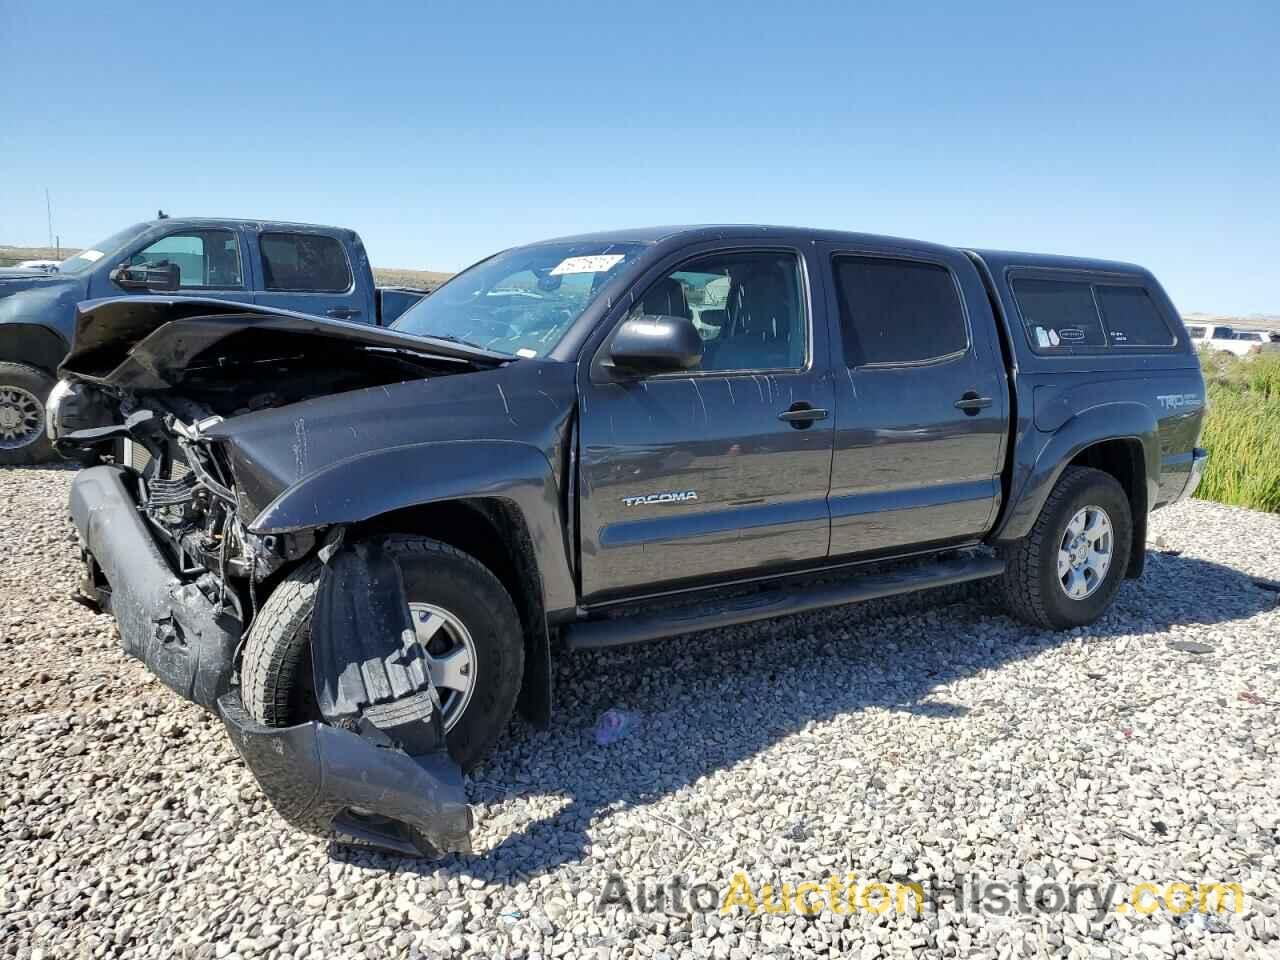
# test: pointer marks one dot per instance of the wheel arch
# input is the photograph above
(1121, 439)
(1124, 459)
(494, 531)
(33, 345)
(497, 500)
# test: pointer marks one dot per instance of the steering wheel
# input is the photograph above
(497, 329)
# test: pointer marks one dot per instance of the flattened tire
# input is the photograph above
(23, 392)
(1032, 587)
(276, 682)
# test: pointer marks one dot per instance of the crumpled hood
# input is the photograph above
(146, 343)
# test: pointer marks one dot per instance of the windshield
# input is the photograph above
(521, 301)
(87, 258)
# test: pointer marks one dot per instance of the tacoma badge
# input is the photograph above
(679, 497)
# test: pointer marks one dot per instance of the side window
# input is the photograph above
(1223, 333)
(898, 311)
(1132, 318)
(1196, 333)
(304, 263)
(1059, 314)
(205, 258)
(747, 306)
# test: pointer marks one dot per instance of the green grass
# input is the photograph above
(1242, 432)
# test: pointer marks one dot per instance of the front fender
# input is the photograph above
(382, 481)
(32, 344)
(1040, 457)
(49, 304)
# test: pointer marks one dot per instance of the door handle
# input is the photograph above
(342, 313)
(801, 414)
(971, 403)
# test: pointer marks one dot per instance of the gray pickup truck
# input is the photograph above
(594, 441)
(297, 266)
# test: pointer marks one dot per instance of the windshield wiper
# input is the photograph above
(452, 339)
(471, 343)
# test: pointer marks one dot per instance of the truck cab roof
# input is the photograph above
(250, 223)
(693, 233)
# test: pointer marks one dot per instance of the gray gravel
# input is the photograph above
(888, 740)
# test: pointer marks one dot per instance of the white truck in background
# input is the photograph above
(1220, 338)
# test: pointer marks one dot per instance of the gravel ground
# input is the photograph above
(888, 741)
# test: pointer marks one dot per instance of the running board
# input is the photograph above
(775, 602)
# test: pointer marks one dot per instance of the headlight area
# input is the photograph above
(73, 406)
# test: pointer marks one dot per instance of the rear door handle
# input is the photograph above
(801, 414)
(342, 313)
(971, 403)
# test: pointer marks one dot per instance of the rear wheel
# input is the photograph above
(462, 616)
(23, 391)
(1067, 570)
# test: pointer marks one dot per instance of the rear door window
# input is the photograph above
(898, 311)
(304, 263)
(1131, 318)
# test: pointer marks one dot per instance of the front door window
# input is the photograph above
(748, 308)
(206, 259)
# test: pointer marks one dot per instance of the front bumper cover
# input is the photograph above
(352, 787)
(337, 784)
(165, 622)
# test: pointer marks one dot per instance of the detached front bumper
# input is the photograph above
(165, 622)
(327, 781)
(334, 783)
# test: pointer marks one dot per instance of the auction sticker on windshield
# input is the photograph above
(598, 263)
(93, 256)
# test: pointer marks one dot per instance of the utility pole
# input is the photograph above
(48, 212)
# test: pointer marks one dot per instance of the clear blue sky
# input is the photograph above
(442, 132)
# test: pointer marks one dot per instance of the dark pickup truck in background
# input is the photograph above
(599, 440)
(311, 269)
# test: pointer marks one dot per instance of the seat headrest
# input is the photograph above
(759, 306)
(666, 299)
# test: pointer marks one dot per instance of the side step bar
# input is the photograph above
(775, 602)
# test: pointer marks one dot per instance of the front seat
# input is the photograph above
(759, 321)
(666, 299)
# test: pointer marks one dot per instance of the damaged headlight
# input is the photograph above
(53, 408)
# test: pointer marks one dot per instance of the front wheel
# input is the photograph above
(23, 391)
(462, 615)
(1067, 570)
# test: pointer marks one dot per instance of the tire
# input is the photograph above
(276, 682)
(23, 391)
(1032, 587)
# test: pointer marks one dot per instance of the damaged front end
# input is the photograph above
(376, 768)
(166, 535)
(373, 767)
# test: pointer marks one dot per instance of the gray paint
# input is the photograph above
(894, 469)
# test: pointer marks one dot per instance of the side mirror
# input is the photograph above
(652, 344)
(163, 277)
